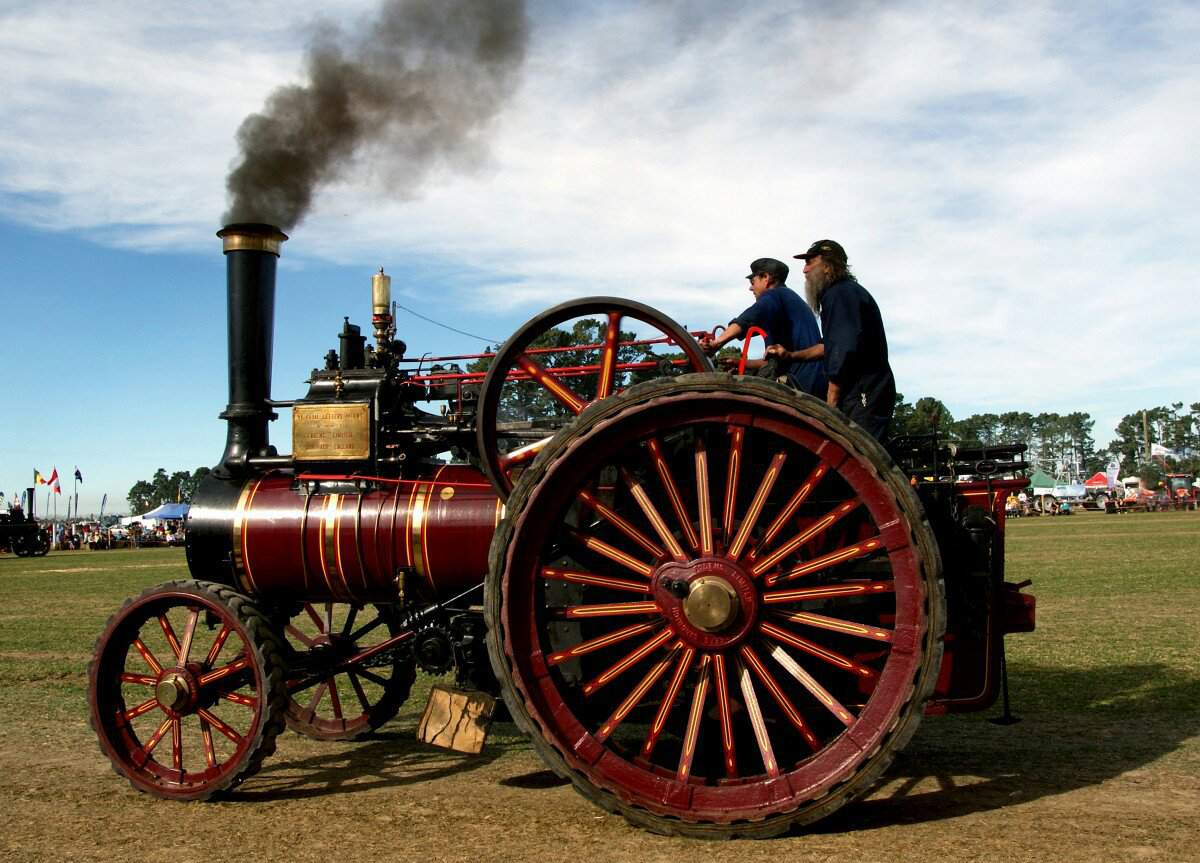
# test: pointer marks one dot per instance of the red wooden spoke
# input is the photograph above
(608, 609)
(668, 481)
(613, 553)
(750, 699)
(756, 504)
(628, 661)
(832, 591)
(834, 658)
(217, 644)
(835, 624)
(300, 636)
(599, 643)
(608, 356)
(361, 694)
(318, 694)
(189, 633)
(652, 515)
(156, 738)
(810, 683)
(725, 712)
(789, 509)
(144, 707)
(732, 472)
(703, 499)
(316, 618)
(142, 679)
(693, 724)
(238, 698)
(177, 744)
(169, 632)
(620, 523)
(348, 624)
(522, 454)
(668, 701)
(577, 577)
(147, 655)
(539, 373)
(225, 670)
(862, 548)
(210, 751)
(216, 723)
(813, 530)
(780, 697)
(334, 699)
(636, 694)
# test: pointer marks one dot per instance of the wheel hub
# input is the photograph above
(711, 604)
(173, 691)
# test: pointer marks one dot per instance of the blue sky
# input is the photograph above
(1016, 184)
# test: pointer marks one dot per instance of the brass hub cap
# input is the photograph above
(172, 691)
(711, 604)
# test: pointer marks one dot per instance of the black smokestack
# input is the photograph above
(419, 85)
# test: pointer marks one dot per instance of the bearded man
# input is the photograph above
(853, 345)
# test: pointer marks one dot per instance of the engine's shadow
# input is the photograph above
(384, 760)
(1078, 729)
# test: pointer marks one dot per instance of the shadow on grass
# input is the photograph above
(1079, 728)
(383, 760)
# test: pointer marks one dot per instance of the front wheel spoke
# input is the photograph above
(756, 505)
(832, 657)
(725, 712)
(695, 714)
(215, 722)
(300, 636)
(672, 490)
(620, 523)
(835, 624)
(377, 679)
(239, 698)
(145, 707)
(733, 471)
(789, 509)
(370, 626)
(832, 591)
(576, 577)
(311, 711)
(750, 699)
(148, 656)
(807, 535)
(169, 632)
(314, 617)
(613, 553)
(652, 515)
(335, 700)
(599, 643)
(628, 661)
(239, 664)
(634, 698)
(359, 692)
(140, 679)
(328, 618)
(785, 703)
(810, 683)
(608, 356)
(217, 644)
(348, 624)
(668, 701)
(206, 739)
(189, 633)
(177, 744)
(551, 384)
(863, 548)
(155, 739)
(703, 499)
(608, 609)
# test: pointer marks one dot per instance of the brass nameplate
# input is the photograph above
(331, 432)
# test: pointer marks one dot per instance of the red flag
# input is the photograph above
(53, 477)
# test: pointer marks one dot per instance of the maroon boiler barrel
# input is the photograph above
(425, 537)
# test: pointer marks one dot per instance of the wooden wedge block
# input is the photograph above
(456, 719)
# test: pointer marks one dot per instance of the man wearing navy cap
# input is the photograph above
(854, 346)
(788, 322)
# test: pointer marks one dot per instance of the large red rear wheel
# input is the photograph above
(716, 606)
(186, 690)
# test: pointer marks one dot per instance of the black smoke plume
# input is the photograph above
(417, 88)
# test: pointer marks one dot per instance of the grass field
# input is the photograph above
(1104, 766)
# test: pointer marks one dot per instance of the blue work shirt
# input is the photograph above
(788, 321)
(856, 355)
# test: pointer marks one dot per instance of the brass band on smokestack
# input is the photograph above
(251, 253)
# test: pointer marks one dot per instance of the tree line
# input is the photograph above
(162, 488)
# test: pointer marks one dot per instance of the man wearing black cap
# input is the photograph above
(788, 322)
(855, 349)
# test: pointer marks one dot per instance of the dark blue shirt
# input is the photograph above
(788, 321)
(856, 354)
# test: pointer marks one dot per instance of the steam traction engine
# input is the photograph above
(715, 606)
